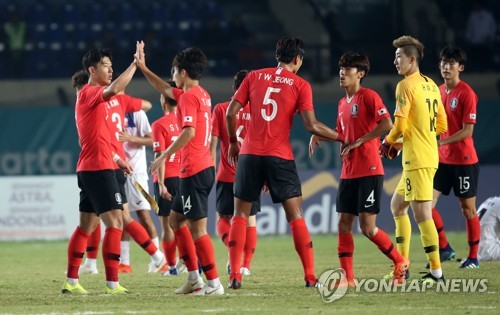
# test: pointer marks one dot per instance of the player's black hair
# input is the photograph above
(79, 79)
(168, 100)
(451, 53)
(93, 57)
(288, 48)
(193, 60)
(354, 60)
(238, 78)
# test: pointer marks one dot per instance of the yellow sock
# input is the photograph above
(403, 235)
(430, 241)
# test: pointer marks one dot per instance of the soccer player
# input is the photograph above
(166, 179)
(189, 218)
(362, 119)
(225, 176)
(419, 118)
(100, 196)
(117, 108)
(489, 216)
(135, 138)
(78, 80)
(273, 95)
(458, 162)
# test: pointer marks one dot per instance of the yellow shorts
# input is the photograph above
(417, 185)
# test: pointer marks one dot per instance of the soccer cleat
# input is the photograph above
(316, 284)
(390, 276)
(469, 263)
(234, 284)
(157, 266)
(122, 268)
(208, 290)
(345, 283)
(119, 290)
(445, 254)
(400, 271)
(87, 269)
(245, 271)
(171, 272)
(190, 286)
(73, 289)
(429, 278)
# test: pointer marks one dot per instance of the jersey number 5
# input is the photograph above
(268, 100)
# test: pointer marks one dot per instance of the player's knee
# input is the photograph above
(368, 230)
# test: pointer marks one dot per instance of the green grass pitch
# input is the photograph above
(32, 273)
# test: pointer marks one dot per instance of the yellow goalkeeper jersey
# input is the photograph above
(419, 101)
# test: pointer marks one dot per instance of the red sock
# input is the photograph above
(384, 243)
(169, 249)
(250, 245)
(111, 248)
(76, 249)
(141, 237)
(473, 235)
(345, 249)
(93, 243)
(236, 244)
(205, 253)
(304, 247)
(223, 227)
(438, 221)
(187, 250)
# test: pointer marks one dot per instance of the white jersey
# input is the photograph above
(489, 218)
(136, 124)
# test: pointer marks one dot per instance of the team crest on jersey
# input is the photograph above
(354, 110)
(454, 103)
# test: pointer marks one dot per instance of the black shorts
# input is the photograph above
(172, 184)
(99, 191)
(192, 199)
(463, 179)
(279, 174)
(356, 195)
(224, 203)
(121, 178)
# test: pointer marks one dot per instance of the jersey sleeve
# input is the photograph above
(469, 99)
(441, 119)
(305, 99)
(189, 110)
(379, 109)
(130, 104)
(177, 93)
(159, 140)
(143, 126)
(403, 100)
(217, 120)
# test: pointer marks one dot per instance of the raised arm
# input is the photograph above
(155, 81)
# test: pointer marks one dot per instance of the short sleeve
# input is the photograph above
(217, 120)
(305, 99)
(188, 109)
(403, 100)
(159, 141)
(469, 101)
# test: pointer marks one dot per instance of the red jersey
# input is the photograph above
(274, 95)
(165, 132)
(91, 117)
(460, 105)
(357, 117)
(226, 172)
(118, 106)
(195, 110)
